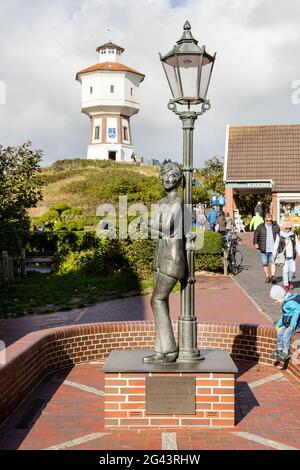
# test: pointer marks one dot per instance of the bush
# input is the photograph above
(139, 255)
(61, 241)
(109, 257)
(101, 261)
(76, 225)
(42, 241)
(210, 263)
(209, 257)
(212, 243)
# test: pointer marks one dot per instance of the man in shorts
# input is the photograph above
(263, 240)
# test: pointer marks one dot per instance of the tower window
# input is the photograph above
(91, 90)
(125, 133)
(112, 88)
(131, 91)
(97, 133)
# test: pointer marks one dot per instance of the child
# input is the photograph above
(289, 322)
(287, 242)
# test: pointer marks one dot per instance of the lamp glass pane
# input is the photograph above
(189, 65)
(205, 76)
(173, 79)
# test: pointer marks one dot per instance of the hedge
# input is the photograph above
(64, 240)
(97, 257)
(209, 257)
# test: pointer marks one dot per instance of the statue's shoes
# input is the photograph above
(161, 358)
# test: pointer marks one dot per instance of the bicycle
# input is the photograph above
(234, 256)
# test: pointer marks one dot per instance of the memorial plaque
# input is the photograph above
(171, 395)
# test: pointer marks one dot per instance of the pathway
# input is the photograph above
(218, 299)
(252, 278)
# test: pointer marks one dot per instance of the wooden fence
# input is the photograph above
(11, 266)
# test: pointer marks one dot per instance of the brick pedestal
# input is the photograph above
(125, 391)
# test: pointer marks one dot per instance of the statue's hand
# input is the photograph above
(190, 241)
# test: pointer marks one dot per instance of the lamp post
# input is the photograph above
(188, 69)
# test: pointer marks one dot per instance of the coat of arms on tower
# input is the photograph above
(111, 132)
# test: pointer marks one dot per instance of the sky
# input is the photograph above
(43, 43)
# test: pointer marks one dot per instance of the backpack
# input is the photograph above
(286, 320)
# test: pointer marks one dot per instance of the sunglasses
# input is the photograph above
(287, 228)
(269, 220)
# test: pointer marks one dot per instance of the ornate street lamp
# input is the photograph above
(188, 69)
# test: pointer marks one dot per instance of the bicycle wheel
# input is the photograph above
(232, 265)
(236, 262)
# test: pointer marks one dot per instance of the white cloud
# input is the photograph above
(44, 44)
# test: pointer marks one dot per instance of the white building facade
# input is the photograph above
(109, 96)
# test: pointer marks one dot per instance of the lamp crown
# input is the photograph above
(187, 34)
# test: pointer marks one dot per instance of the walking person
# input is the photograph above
(229, 226)
(258, 209)
(263, 240)
(287, 243)
(222, 224)
(200, 218)
(256, 221)
(289, 322)
(212, 218)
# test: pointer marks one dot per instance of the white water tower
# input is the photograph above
(109, 96)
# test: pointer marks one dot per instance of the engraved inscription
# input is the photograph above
(171, 395)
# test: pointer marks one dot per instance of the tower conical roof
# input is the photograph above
(110, 44)
(109, 66)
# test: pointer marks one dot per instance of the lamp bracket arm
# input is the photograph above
(172, 107)
(204, 107)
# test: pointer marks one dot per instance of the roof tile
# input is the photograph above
(265, 152)
(109, 66)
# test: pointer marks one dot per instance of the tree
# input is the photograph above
(20, 189)
(60, 216)
(212, 174)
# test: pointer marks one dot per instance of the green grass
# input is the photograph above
(42, 293)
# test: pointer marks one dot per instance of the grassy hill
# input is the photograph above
(87, 183)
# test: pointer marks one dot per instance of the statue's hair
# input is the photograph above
(170, 166)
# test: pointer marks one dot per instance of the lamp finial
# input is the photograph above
(187, 26)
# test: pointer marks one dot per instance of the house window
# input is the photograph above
(125, 133)
(131, 91)
(97, 133)
(91, 90)
(112, 88)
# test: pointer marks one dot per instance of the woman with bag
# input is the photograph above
(286, 247)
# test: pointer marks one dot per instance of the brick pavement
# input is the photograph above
(268, 412)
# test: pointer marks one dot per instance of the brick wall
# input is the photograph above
(125, 402)
(42, 352)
